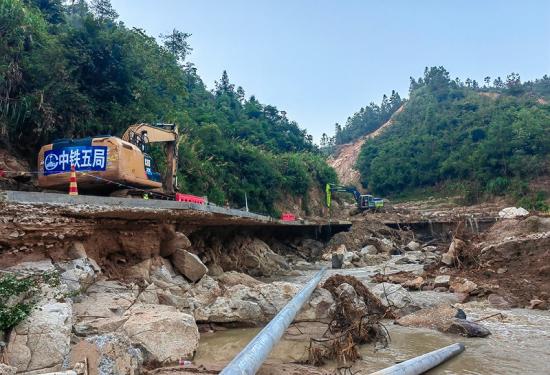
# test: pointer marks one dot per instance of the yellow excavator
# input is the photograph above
(107, 163)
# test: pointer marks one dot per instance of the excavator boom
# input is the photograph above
(143, 134)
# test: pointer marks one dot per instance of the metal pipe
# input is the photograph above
(423, 363)
(249, 360)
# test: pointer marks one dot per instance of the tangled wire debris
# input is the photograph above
(355, 320)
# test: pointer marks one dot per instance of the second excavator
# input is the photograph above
(364, 201)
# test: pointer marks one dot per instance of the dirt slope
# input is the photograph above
(346, 157)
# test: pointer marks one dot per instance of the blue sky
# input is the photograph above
(321, 61)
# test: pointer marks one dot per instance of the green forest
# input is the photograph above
(70, 69)
(478, 140)
(363, 122)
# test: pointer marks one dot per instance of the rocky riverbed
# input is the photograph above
(189, 297)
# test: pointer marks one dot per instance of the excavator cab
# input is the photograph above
(368, 202)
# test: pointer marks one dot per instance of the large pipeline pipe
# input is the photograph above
(249, 360)
(423, 363)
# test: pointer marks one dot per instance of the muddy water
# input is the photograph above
(519, 344)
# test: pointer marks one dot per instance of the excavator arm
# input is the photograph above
(343, 189)
(142, 134)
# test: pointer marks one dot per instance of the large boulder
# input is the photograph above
(79, 274)
(173, 241)
(165, 334)
(164, 277)
(245, 254)
(392, 295)
(189, 265)
(101, 309)
(111, 353)
(512, 212)
(42, 340)
(259, 303)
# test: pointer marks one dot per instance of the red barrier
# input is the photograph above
(189, 198)
(288, 217)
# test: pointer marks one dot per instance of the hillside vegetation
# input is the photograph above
(363, 122)
(479, 141)
(70, 69)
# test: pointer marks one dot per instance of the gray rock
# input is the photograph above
(369, 250)
(42, 340)
(413, 246)
(165, 334)
(442, 281)
(404, 260)
(337, 260)
(189, 265)
(79, 274)
(7, 370)
(39, 266)
(111, 353)
(498, 301)
(392, 295)
(149, 295)
(101, 309)
(466, 328)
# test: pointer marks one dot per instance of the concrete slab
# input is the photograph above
(143, 209)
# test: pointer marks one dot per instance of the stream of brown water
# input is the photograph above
(519, 344)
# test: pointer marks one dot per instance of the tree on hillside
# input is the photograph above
(513, 83)
(104, 10)
(487, 81)
(498, 83)
(224, 86)
(53, 10)
(177, 42)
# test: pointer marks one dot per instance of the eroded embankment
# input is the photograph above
(126, 290)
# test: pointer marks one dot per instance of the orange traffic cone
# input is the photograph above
(73, 189)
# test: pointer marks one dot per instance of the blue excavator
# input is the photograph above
(364, 201)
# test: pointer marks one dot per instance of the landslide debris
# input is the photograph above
(509, 260)
(369, 232)
(354, 320)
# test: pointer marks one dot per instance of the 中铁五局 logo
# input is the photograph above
(51, 162)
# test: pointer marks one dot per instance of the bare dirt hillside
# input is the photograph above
(345, 158)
